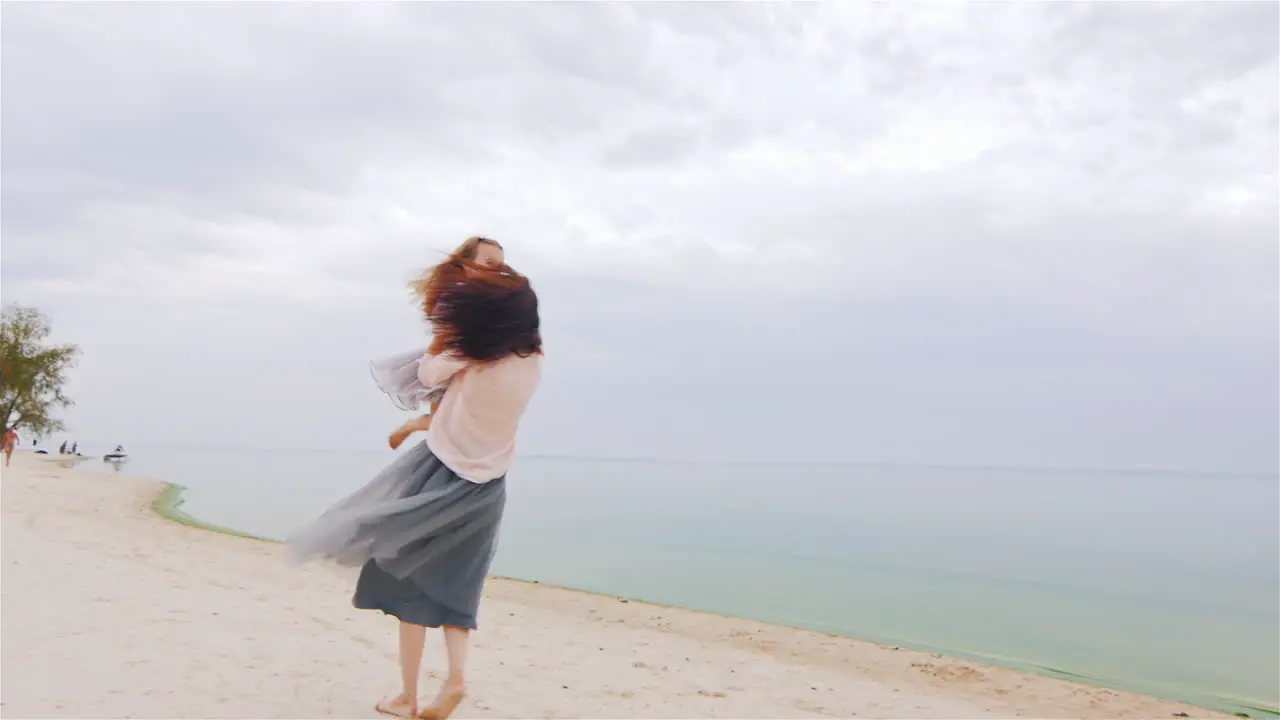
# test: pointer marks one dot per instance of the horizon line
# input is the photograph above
(754, 461)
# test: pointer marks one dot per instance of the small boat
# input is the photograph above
(116, 455)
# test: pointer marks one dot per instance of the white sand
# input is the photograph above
(112, 611)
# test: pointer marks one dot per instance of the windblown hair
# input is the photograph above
(453, 270)
(450, 270)
(487, 315)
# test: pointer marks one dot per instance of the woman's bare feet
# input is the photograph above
(450, 697)
(398, 706)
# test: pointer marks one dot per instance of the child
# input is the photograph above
(397, 375)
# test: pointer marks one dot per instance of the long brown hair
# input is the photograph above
(487, 315)
(452, 270)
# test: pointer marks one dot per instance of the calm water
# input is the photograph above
(1164, 583)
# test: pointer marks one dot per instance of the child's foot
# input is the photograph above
(398, 706)
(446, 702)
(397, 438)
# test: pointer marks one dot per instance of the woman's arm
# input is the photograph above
(436, 370)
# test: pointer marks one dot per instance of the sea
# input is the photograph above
(1165, 583)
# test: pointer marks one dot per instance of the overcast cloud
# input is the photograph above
(1041, 233)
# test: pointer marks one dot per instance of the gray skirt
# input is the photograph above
(422, 536)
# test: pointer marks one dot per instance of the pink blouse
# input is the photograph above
(473, 432)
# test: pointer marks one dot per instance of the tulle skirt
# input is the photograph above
(423, 536)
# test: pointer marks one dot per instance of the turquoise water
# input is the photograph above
(1164, 583)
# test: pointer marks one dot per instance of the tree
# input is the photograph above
(32, 372)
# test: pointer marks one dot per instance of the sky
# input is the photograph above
(999, 234)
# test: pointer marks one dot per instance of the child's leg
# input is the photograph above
(401, 433)
(397, 438)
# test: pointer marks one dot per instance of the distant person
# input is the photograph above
(8, 443)
(62, 450)
(75, 448)
(425, 529)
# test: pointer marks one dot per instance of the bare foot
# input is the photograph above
(397, 438)
(415, 425)
(445, 703)
(398, 706)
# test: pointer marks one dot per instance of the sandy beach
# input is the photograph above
(110, 610)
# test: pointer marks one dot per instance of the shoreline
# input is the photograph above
(888, 681)
(169, 502)
(168, 505)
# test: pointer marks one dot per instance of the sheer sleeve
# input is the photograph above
(398, 377)
(437, 370)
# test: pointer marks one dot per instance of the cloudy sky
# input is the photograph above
(1033, 233)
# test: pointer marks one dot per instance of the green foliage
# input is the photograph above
(32, 372)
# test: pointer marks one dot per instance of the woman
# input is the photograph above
(424, 531)
(398, 375)
(8, 443)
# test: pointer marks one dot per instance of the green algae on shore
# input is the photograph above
(168, 505)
